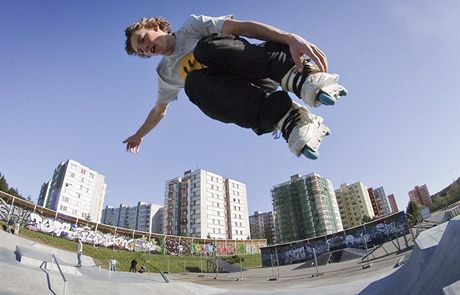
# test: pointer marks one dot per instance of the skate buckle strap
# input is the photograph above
(289, 123)
(294, 79)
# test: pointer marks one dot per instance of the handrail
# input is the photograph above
(62, 274)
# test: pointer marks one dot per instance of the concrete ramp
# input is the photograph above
(32, 256)
(453, 289)
(35, 257)
(346, 254)
(322, 259)
(224, 266)
(434, 264)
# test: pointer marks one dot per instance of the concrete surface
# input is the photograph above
(347, 277)
(434, 264)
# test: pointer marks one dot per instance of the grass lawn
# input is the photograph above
(153, 263)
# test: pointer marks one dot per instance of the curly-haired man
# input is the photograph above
(234, 81)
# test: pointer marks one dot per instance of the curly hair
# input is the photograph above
(145, 23)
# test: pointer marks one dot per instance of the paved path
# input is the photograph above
(337, 278)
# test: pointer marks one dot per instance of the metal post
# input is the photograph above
(316, 264)
(316, 261)
(217, 267)
(368, 265)
(10, 212)
(134, 243)
(273, 278)
(184, 262)
(241, 272)
(167, 260)
(277, 263)
(201, 265)
(405, 241)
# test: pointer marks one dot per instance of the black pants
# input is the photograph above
(239, 84)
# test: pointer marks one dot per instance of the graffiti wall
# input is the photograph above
(90, 234)
(368, 235)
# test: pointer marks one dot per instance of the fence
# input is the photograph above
(38, 218)
(370, 234)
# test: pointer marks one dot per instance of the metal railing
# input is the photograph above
(60, 270)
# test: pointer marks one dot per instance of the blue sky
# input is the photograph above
(68, 90)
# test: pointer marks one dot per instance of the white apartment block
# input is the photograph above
(75, 190)
(354, 203)
(205, 205)
(145, 217)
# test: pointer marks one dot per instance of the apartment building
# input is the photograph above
(75, 190)
(382, 201)
(420, 195)
(206, 205)
(379, 202)
(354, 204)
(145, 217)
(305, 207)
(263, 226)
(393, 204)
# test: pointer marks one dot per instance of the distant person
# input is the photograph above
(16, 228)
(9, 228)
(113, 264)
(142, 269)
(79, 252)
(133, 265)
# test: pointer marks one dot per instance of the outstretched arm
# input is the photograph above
(153, 118)
(297, 45)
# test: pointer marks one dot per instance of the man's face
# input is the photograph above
(149, 42)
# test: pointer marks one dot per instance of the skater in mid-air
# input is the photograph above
(234, 81)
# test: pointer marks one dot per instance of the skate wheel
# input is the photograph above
(310, 154)
(326, 99)
(343, 92)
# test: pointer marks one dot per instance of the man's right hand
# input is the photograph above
(132, 143)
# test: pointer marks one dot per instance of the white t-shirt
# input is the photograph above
(171, 76)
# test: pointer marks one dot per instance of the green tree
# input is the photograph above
(4, 187)
(413, 212)
(3, 184)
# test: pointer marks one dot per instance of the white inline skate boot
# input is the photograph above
(303, 131)
(314, 87)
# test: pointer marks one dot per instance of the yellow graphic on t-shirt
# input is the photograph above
(187, 64)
